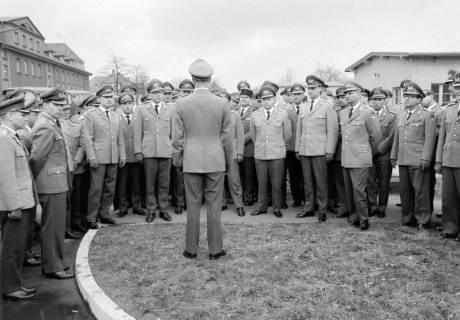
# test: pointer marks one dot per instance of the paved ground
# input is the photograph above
(60, 299)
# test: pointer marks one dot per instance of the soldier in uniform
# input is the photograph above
(412, 149)
(360, 138)
(152, 145)
(270, 129)
(48, 161)
(317, 135)
(18, 197)
(247, 166)
(448, 162)
(129, 186)
(168, 90)
(105, 151)
(378, 187)
(186, 87)
(203, 146)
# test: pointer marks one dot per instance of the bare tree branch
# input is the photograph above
(329, 73)
(115, 67)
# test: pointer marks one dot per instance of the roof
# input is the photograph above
(13, 19)
(370, 55)
(63, 50)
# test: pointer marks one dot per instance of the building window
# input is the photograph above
(39, 70)
(31, 44)
(18, 65)
(4, 53)
(16, 37)
(32, 69)
(25, 67)
(5, 71)
(38, 46)
(24, 41)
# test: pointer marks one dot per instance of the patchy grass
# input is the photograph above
(281, 271)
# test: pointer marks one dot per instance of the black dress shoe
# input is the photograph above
(60, 275)
(165, 216)
(179, 210)
(354, 222)
(70, 235)
(381, 214)
(92, 225)
(224, 208)
(305, 214)
(284, 205)
(150, 216)
(217, 255)
(408, 224)
(422, 226)
(373, 212)
(278, 214)
(121, 214)
(240, 212)
(342, 215)
(447, 235)
(364, 225)
(18, 295)
(296, 204)
(189, 255)
(29, 290)
(257, 212)
(248, 203)
(32, 262)
(79, 228)
(139, 212)
(108, 220)
(322, 217)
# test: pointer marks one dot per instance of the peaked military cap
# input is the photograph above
(89, 101)
(29, 103)
(243, 84)
(352, 86)
(366, 92)
(288, 90)
(246, 92)
(267, 92)
(378, 93)
(339, 92)
(145, 98)
(125, 97)
(274, 87)
(414, 90)
(297, 88)
(235, 97)
(55, 95)
(403, 85)
(15, 104)
(128, 89)
(314, 81)
(167, 87)
(186, 85)
(105, 91)
(155, 86)
(456, 83)
(200, 70)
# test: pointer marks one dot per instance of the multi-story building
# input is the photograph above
(27, 61)
(388, 69)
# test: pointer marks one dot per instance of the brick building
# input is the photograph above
(387, 69)
(27, 61)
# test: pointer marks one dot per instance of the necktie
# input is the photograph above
(351, 113)
(311, 106)
(156, 108)
(107, 113)
(242, 112)
(408, 115)
(298, 108)
(128, 118)
(268, 115)
(458, 113)
(58, 123)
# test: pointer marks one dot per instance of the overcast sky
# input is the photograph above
(254, 40)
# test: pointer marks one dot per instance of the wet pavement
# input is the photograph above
(55, 300)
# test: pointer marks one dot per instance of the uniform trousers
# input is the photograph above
(32, 232)
(68, 205)
(101, 191)
(79, 201)
(14, 235)
(129, 189)
(314, 170)
(269, 171)
(355, 180)
(157, 175)
(248, 178)
(211, 186)
(295, 176)
(52, 231)
(234, 185)
(432, 187)
(378, 187)
(415, 194)
(179, 187)
(339, 185)
(451, 200)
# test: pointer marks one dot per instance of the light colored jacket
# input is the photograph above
(128, 135)
(238, 134)
(202, 137)
(360, 136)
(387, 122)
(270, 136)
(318, 130)
(448, 151)
(414, 138)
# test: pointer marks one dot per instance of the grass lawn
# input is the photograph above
(281, 271)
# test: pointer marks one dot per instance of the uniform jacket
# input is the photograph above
(318, 130)
(448, 150)
(25, 135)
(128, 135)
(248, 143)
(202, 133)
(360, 136)
(105, 141)
(152, 131)
(293, 117)
(72, 131)
(387, 121)
(414, 138)
(48, 158)
(17, 188)
(237, 134)
(270, 136)
(338, 149)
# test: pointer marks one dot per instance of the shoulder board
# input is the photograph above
(91, 110)
(282, 110)
(392, 112)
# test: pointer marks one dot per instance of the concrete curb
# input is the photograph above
(100, 304)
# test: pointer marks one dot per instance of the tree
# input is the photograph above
(138, 75)
(329, 73)
(116, 67)
(287, 76)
